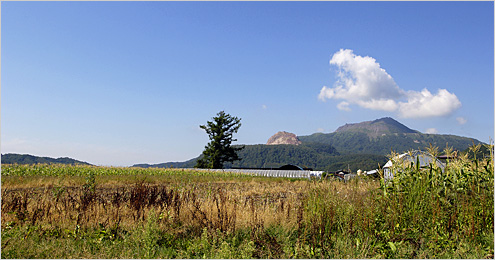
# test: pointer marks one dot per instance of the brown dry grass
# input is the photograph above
(225, 205)
(197, 216)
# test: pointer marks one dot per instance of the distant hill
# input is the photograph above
(186, 164)
(362, 145)
(384, 135)
(316, 156)
(379, 127)
(12, 158)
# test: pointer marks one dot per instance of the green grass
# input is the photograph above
(103, 212)
(62, 170)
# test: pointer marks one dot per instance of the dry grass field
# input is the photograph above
(59, 211)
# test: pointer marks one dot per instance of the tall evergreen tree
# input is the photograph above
(219, 149)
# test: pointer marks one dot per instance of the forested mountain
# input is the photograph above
(316, 156)
(377, 127)
(358, 142)
(383, 136)
(308, 155)
(362, 145)
(12, 158)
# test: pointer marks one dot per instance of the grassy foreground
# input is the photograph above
(57, 211)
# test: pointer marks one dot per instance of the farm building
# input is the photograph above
(425, 159)
(340, 175)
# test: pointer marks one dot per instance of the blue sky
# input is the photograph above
(119, 83)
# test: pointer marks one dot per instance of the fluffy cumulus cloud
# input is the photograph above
(362, 81)
(425, 104)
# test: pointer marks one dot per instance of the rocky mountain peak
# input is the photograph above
(283, 137)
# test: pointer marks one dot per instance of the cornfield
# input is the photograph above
(60, 211)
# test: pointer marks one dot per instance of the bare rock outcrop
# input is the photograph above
(283, 137)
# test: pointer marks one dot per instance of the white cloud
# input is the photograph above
(431, 131)
(361, 81)
(263, 106)
(425, 104)
(344, 106)
(320, 130)
(380, 104)
(461, 120)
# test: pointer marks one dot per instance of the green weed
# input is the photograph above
(105, 212)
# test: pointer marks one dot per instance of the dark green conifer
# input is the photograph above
(219, 149)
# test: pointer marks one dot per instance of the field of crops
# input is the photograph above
(60, 211)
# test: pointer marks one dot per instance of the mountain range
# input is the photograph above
(12, 158)
(356, 146)
(362, 145)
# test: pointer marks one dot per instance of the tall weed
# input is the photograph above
(421, 213)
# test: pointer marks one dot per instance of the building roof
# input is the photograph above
(424, 159)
